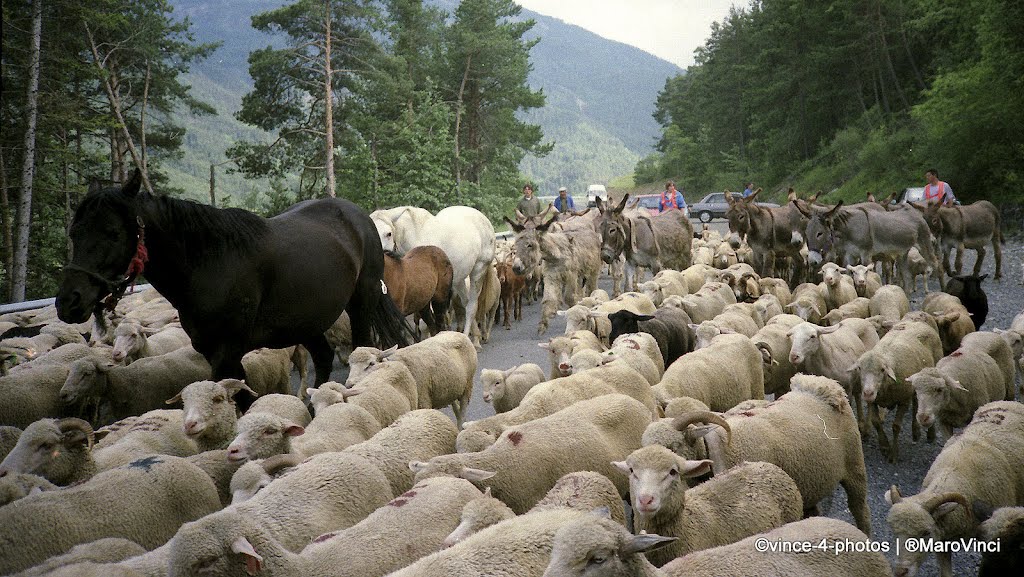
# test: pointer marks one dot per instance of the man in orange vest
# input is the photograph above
(671, 198)
(937, 191)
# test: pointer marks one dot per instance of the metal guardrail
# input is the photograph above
(40, 303)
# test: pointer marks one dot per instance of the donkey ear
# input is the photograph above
(131, 188)
(515, 225)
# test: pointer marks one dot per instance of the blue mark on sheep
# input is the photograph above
(145, 463)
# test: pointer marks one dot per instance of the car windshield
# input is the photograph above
(649, 202)
(716, 198)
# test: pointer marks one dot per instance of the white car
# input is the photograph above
(594, 191)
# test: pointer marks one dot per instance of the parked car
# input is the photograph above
(594, 191)
(911, 194)
(652, 202)
(714, 205)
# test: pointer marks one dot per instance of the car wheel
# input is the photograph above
(705, 216)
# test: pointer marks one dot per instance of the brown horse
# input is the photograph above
(420, 283)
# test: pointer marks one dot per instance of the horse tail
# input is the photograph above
(388, 325)
(441, 308)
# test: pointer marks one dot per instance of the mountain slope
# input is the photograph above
(600, 97)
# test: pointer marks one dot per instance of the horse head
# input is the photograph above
(386, 231)
(105, 238)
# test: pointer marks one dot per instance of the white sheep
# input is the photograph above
(210, 414)
(335, 427)
(831, 351)
(551, 396)
(388, 392)
(560, 348)
(443, 367)
(158, 432)
(836, 288)
(528, 459)
(582, 490)
(56, 450)
(889, 301)
(984, 463)
(720, 375)
(418, 435)
(777, 287)
(95, 554)
(418, 519)
(253, 476)
(14, 486)
(815, 406)
(748, 499)
(728, 322)
(807, 303)
(139, 387)
(883, 370)
(859, 307)
(506, 389)
(261, 435)
(768, 306)
(952, 317)
(31, 394)
(865, 281)
(269, 370)
(949, 393)
(997, 347)
(288, 407)
(145, 501)
(133, 341)
(774, 344)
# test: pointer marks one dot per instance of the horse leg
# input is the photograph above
(323, 357)
(476, 281)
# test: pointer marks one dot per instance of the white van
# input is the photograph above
(594, 191)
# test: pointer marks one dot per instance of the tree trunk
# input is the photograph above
(66, 184)
(115, 106)
(458, 124)
(142, 121)
(19, 274)
(5, 213)
(328, 100)
(213, 186)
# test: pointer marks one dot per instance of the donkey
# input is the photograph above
(861, 234)
(653, 242)
(770, 232)
(972, 226)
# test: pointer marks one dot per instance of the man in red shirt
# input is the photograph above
(937, 191)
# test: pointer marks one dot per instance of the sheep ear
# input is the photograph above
(544, 345)
(387, 352)
(726, 331)
(560, 313)
(310, 391)
(233, 386)
(291, 430)
(892, 496)
(828, 330)
(814, 307)
(644, 543)
(417, 466)
(891, 373)
(253, 561)
(622, 465)
(693, 327)
(466, 424)
(173, 400)
(471, 474)
(695, 468)
(955, 383)
(487, 491)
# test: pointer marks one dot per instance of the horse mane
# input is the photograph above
(205, 228)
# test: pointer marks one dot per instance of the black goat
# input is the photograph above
(968, 289)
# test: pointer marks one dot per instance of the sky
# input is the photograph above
(669, 29)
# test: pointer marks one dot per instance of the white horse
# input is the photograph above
(463, 233)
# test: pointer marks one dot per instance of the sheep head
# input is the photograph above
(656, 479)
(262, 435)
(596, 546)
(478, 514)
(934, 389)
(493, 383)
(922, 516)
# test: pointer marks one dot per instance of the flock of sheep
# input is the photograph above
(647, 447)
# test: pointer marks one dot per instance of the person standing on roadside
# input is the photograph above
(529, 205)
(564, 202)
(671, 198)
(749, 190)
(937, 191)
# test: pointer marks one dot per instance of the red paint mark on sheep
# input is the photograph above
(324, 537)
(408, 494)
(515, 437)
(398, 502)
(957, 353)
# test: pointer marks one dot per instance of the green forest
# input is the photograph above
(368, 100)
(849, 97)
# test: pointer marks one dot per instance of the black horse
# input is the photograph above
(239, 281)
